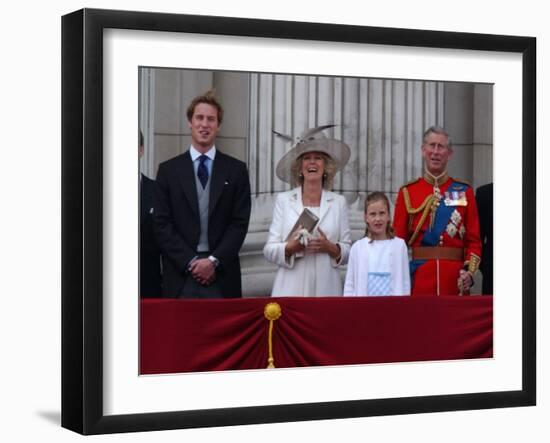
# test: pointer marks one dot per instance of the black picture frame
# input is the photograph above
(82, 230)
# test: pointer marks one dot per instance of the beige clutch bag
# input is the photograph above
(307, 219)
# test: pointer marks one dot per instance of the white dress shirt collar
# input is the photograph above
(211, 153)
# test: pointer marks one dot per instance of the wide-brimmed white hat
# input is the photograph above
(312, 140)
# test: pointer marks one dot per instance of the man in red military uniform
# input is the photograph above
(437, 216)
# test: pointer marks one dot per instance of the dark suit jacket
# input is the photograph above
(484, 200)
(177, 222)
(149, 252)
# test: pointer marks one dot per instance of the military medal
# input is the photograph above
(451, 230)
(452, 227)
(455, 198)
(461, 199)
(456, 217)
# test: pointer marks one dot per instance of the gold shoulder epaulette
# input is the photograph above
(414, 180)
(464, 182)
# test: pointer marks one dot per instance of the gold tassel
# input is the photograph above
(272, 312)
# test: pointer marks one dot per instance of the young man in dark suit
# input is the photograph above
(202, 209)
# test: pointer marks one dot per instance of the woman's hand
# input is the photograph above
(293, 244)
(322, 244)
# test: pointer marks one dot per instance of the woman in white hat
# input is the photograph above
(309, 261)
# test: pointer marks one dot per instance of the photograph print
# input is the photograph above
(305, 220)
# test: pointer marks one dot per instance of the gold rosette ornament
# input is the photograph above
(272, 312)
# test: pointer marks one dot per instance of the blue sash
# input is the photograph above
(442, 216)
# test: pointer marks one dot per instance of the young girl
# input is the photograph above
(378, 263)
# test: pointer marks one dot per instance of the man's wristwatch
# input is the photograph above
(214, 260)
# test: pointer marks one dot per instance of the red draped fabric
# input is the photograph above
(213, 335)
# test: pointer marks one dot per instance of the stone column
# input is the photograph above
(459, 102)
(483, 135)
(147, 120)
(469, 121)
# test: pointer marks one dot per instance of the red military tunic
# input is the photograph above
(457, 245)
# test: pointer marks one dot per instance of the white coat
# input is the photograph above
(378, 256)
(309, 275)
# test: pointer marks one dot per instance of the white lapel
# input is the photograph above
(295, 200)
(327, 201)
